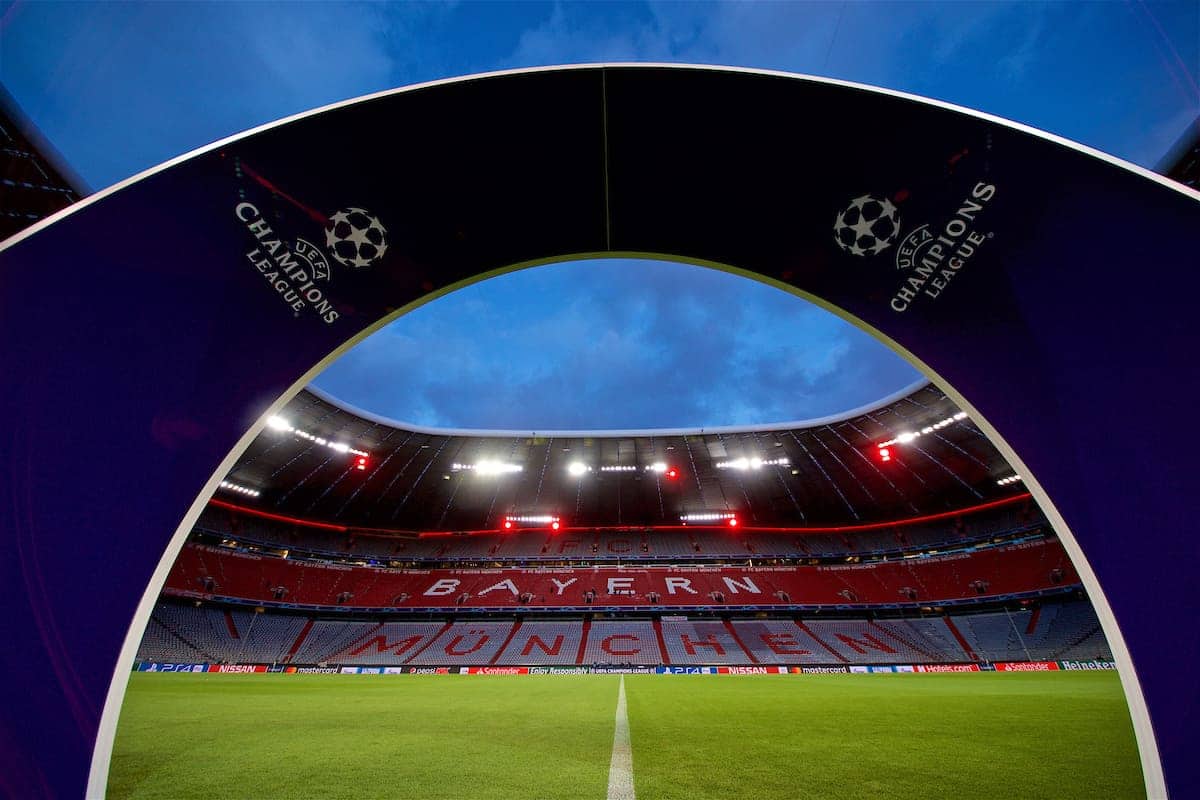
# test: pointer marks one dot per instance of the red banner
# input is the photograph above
(1027, 666)
(203, 571)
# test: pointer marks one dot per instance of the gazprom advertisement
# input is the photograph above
(146, 332)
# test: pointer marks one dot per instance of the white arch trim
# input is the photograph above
(1152, 772)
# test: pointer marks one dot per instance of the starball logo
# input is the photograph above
(300, 272)
(867, 226)
(930, 256)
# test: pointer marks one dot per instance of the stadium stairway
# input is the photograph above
(962, 641)
(908, 642)
(583, 640)
(358, 640)
(662, 643)
(437, 636)
(516, 627)
(537, 642)
(300, 637)
(813, 635)
(733, 632)
(231, 626)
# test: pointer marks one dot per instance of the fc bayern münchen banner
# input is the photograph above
(149, 330)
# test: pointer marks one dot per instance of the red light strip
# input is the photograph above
(870, 526)
(635, 528)
(308, 523)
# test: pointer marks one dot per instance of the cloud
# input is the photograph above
(122, 87)
(332, 52)
(1072, 69)
(619, 344)
(769, 35)
(564, 38)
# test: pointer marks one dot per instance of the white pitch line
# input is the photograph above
(620, 769)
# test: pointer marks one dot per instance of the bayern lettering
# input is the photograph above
(734, 584)
(679, 583)
(441, 587)
(504, 584)
(745, 584)
(620, 585)
(561, 585)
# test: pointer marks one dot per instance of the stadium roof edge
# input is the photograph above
(45, 148)
(631, 432)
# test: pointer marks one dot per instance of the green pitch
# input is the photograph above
(1057, 735)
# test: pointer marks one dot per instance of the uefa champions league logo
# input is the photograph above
(300, 273)
(931, 255)
(868, 226)
(355, 238)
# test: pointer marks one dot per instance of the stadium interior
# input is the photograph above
(897, 534)
(340, 542)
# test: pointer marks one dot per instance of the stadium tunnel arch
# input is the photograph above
(632, 133)
(1078, 557)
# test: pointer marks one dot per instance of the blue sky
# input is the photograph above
(121, 87)
(618, 344)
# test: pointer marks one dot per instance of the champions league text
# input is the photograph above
(935, 259)
(290, 276)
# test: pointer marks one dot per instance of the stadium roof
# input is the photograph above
(37, 181)
(826, 472)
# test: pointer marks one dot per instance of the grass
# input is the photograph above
(332, 736)
(990, 735)
(1057, 735)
